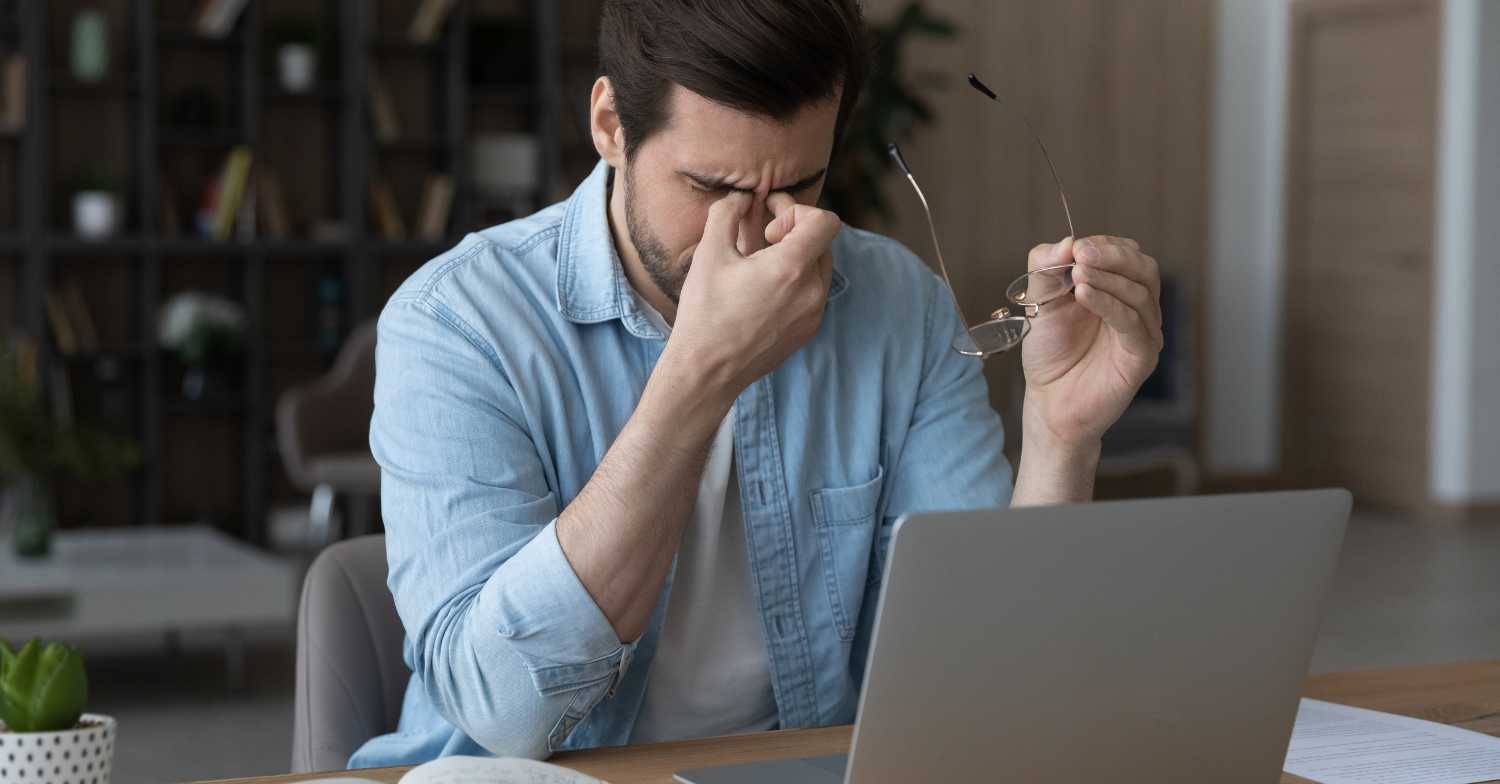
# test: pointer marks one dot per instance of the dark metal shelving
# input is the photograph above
(36, 249)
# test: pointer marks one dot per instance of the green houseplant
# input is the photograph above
(888, 110)
(45, 737)
(36, 448)
(207, 333)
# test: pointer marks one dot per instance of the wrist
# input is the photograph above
(1054, 468)
(689, 390)
(1066, 440)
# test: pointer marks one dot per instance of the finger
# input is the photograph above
(1053, 254)
(1122, 318)
(1118, 258)
(811, 233)
(1133, 294)
(782, 206)
(723, 224)
(1113, 240)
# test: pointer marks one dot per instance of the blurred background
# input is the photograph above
(203, 204)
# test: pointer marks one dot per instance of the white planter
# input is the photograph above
(96, 214)
(298, 66)
(76, 756)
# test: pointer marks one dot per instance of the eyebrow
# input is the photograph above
(723, 184)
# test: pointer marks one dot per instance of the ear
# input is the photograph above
(604, 124)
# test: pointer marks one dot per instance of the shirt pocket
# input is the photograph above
(846, 519)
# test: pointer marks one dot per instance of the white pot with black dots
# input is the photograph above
(82, 755)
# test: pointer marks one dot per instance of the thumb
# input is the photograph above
(722, 229)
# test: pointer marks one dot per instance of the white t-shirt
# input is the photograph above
(711, 674)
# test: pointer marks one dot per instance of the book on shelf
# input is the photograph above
(383, 113)
(231, 191)
(26, 350)
(244, 220)
(387, 214)
(437, 204)
(428, 21)
(77, 310)
(167, 213)
(62, 325)
(216, 18)
(272, 211)
(13, 94)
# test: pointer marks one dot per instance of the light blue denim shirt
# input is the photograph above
(505, 369)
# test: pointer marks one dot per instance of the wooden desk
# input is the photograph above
(1464, 695)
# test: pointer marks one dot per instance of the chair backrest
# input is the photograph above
(350, 674)
(332, 412)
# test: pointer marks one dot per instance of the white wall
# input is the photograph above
(1465, 466)
(1246, 252)
(1245, 262)
(1484, 443)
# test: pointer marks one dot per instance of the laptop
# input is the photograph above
(1135, 641)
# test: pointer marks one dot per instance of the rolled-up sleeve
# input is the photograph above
(507, 641)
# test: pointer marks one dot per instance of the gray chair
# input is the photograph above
(350, 675)
(323, 433)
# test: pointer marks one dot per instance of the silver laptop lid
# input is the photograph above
(1162, 640)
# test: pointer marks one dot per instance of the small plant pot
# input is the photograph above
(297, 65)
(96, 214)
(81, 755)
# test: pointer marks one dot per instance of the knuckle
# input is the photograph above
(827, 220)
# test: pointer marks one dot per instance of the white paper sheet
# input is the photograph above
(489, 770)
(1337, 744)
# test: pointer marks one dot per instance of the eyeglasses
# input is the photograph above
(1028, 293)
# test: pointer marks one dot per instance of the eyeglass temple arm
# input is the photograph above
(980, 86)
(895, 153)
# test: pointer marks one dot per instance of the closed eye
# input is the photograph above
(709, 186)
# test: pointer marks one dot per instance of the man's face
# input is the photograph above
(705, 151)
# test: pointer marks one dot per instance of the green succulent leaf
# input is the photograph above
(43, 688)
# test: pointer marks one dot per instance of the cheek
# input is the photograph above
(681, 224)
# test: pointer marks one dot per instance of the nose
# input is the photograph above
(753, 226)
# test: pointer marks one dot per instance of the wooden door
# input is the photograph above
(1359, 245)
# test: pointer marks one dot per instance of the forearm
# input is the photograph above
(1053, 471)
(623, 529)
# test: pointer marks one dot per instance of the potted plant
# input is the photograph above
(888, 110)
(207, 333)
(96, 206)
(45, 737)
(36, 448)
(296, 43)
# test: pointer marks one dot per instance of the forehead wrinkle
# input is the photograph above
(720, 181)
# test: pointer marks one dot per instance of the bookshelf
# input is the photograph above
(145, 127)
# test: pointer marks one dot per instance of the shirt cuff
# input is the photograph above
(537, 604)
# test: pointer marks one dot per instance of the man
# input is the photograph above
(642, 451)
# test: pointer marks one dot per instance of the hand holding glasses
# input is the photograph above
(1028, 293)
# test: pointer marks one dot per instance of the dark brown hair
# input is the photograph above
(765, 57)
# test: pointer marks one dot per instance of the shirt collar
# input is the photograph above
(591, 282)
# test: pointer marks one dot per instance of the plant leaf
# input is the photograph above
(44, 688)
